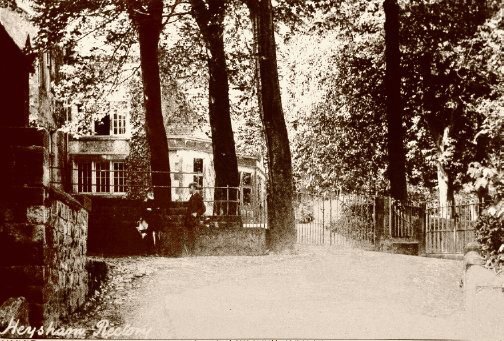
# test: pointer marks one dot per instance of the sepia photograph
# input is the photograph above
(252, 169)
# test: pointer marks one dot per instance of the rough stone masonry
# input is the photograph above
(44, 259)
(43, 231)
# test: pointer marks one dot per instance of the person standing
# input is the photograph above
(195, 209)
(149, 221)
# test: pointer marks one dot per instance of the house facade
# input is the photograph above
(99, 161)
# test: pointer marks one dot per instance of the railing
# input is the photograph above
(404, 218)
(311, 219)
(355, 224)
(445, 229)
(229, 201)
(356, 220)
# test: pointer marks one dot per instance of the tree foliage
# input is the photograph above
(452, 88)
(335, 100)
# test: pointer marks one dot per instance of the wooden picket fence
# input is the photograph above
(448, 229)
(443, 229)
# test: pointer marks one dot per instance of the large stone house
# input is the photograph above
(99, 165)
(43, 230)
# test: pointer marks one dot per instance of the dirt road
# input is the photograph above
(317, 293)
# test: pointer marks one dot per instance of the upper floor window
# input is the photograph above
(119, 123)
(102, 127)
(115, 121)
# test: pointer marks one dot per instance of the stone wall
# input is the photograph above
(112, 231)
(43, 257)
(230, 241)
(112, 224)
(484, 297)
(43, 230)
(65, 257)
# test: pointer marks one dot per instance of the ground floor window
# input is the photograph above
(119, 177)
(246, 187)
(198, 169)
(100, 177)
(84, 175)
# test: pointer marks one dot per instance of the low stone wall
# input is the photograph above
(112, 224)
(43, 256)
(230, 241)
(112, 231)
(484, 298)
(398, 246)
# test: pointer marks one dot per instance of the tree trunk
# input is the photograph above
(445, 188)
(445, 179)
(211, 23)
(440, 130)
(395, 136)
(149, 27)
(282, 228)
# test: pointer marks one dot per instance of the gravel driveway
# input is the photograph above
(320, 292)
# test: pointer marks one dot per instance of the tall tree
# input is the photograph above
(147, 17)
(66, 21)
(452, 67)
(395, 136)
(209, 16)
(282, 230)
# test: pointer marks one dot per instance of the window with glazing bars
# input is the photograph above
(118, 123)
(119, 177)
(198, 168)
(246, 183)
(84, 177)
(103, 176)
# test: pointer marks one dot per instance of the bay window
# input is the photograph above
(101, 177)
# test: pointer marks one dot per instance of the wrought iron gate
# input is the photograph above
(345, 220)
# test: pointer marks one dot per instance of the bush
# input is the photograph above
(304, 213)
(490, 234)
(355, 221)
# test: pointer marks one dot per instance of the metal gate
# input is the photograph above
(405, 219)
(344, 220)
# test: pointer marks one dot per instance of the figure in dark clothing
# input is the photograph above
(148, 222)
(195, 209)
(140, 242)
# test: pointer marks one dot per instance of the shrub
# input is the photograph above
(304, 213)
(490, 234)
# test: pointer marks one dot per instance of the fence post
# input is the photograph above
(421, 229)
(379, 220)
(227, 200)
(323, 212)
